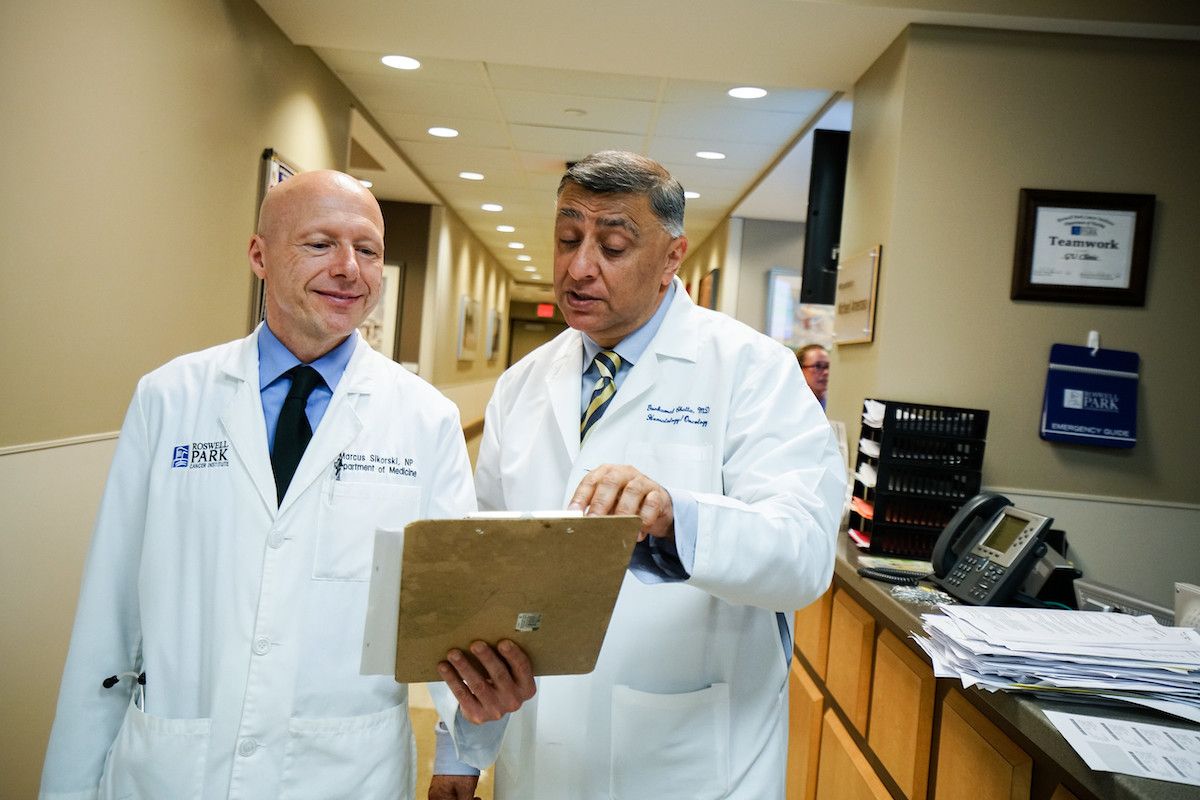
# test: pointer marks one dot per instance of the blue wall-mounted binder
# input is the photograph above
(1091, 398)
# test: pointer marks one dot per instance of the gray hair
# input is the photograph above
(619, 172)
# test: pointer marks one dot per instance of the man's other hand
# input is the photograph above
(619, 489)
(505, 683)
(453, 787)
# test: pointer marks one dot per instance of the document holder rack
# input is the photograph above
(928, 464)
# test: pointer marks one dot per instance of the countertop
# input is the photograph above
(1022, 713)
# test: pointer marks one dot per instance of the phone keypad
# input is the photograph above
(980, 574)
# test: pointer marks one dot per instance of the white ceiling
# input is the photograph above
(531, 84)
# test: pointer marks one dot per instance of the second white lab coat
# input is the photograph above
(247, 619)
(689, 697)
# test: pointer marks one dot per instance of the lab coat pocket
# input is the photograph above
(153, 757)
(676, 466)
(367, 756)
(350, 513)
(670, 745)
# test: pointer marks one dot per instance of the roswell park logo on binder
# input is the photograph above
(200, 455)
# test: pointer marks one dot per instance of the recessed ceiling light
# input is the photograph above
(401, 62)
(492, 207)
(447, 133)
(471, 176)
(524, 257)
(531, 269)
(747, 92)
(691, 195)
(365, 182)
(516, 245)
(505, 228)
(712, 155)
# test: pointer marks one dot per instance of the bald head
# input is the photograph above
(295, 196)
(319, 249)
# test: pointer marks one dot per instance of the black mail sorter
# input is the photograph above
(928, 465)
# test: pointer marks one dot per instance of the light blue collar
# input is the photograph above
(274, 359)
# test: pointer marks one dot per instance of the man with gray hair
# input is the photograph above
(705, 429)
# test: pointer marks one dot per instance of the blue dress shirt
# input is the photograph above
(274, 359)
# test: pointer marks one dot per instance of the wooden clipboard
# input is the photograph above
(547, 583)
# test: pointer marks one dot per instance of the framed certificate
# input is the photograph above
(1082, 247)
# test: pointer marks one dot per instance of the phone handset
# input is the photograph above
(963, 528)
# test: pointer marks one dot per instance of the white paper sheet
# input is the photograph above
(1146, 750)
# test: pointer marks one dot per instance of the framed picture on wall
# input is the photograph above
(492, 346)
(707, 294)
(1082, 247)
(783, 306)
(272, 169)
(379, 329)
(468, 328)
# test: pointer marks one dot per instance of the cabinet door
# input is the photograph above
(845, 773)
(976, 761)
(804, 733)
(812, 632)
(851, 645)
(901, 723)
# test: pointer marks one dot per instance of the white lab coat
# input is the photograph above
(247, 619)
(689, 697)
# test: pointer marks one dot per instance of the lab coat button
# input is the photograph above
(262, 646)
(247, 747)
(275, 540)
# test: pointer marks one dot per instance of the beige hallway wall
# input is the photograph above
(131, 140)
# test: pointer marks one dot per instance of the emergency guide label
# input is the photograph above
(200, 455)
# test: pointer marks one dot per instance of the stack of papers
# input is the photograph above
(873, 412)
(1068, 655)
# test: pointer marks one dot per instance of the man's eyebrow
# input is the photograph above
(623, 223)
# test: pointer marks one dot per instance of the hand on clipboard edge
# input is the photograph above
(497, 681)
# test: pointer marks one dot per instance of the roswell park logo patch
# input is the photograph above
(200, 455)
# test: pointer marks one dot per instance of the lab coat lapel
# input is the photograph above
(242, 419)
(339, 427)
(564, 386)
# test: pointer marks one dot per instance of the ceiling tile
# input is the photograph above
(445, 152)
(471, 132)
(571, 144)
(381, 94)
(569, 81)
(790, 101)
(738, 155)
(364, 62)
(599, 113)
(721, 125)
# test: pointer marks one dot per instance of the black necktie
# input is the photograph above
(293, 432)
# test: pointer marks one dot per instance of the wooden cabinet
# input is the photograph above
(845, 773)
(901, 726)
(975, 760)
(804, 739)
(851, 653)
(812, 632)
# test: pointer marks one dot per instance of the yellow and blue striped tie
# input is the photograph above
(607, 363)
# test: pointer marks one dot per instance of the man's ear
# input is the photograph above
(674, 258)
(257, 257)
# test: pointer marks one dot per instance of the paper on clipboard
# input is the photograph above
(547, 583)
